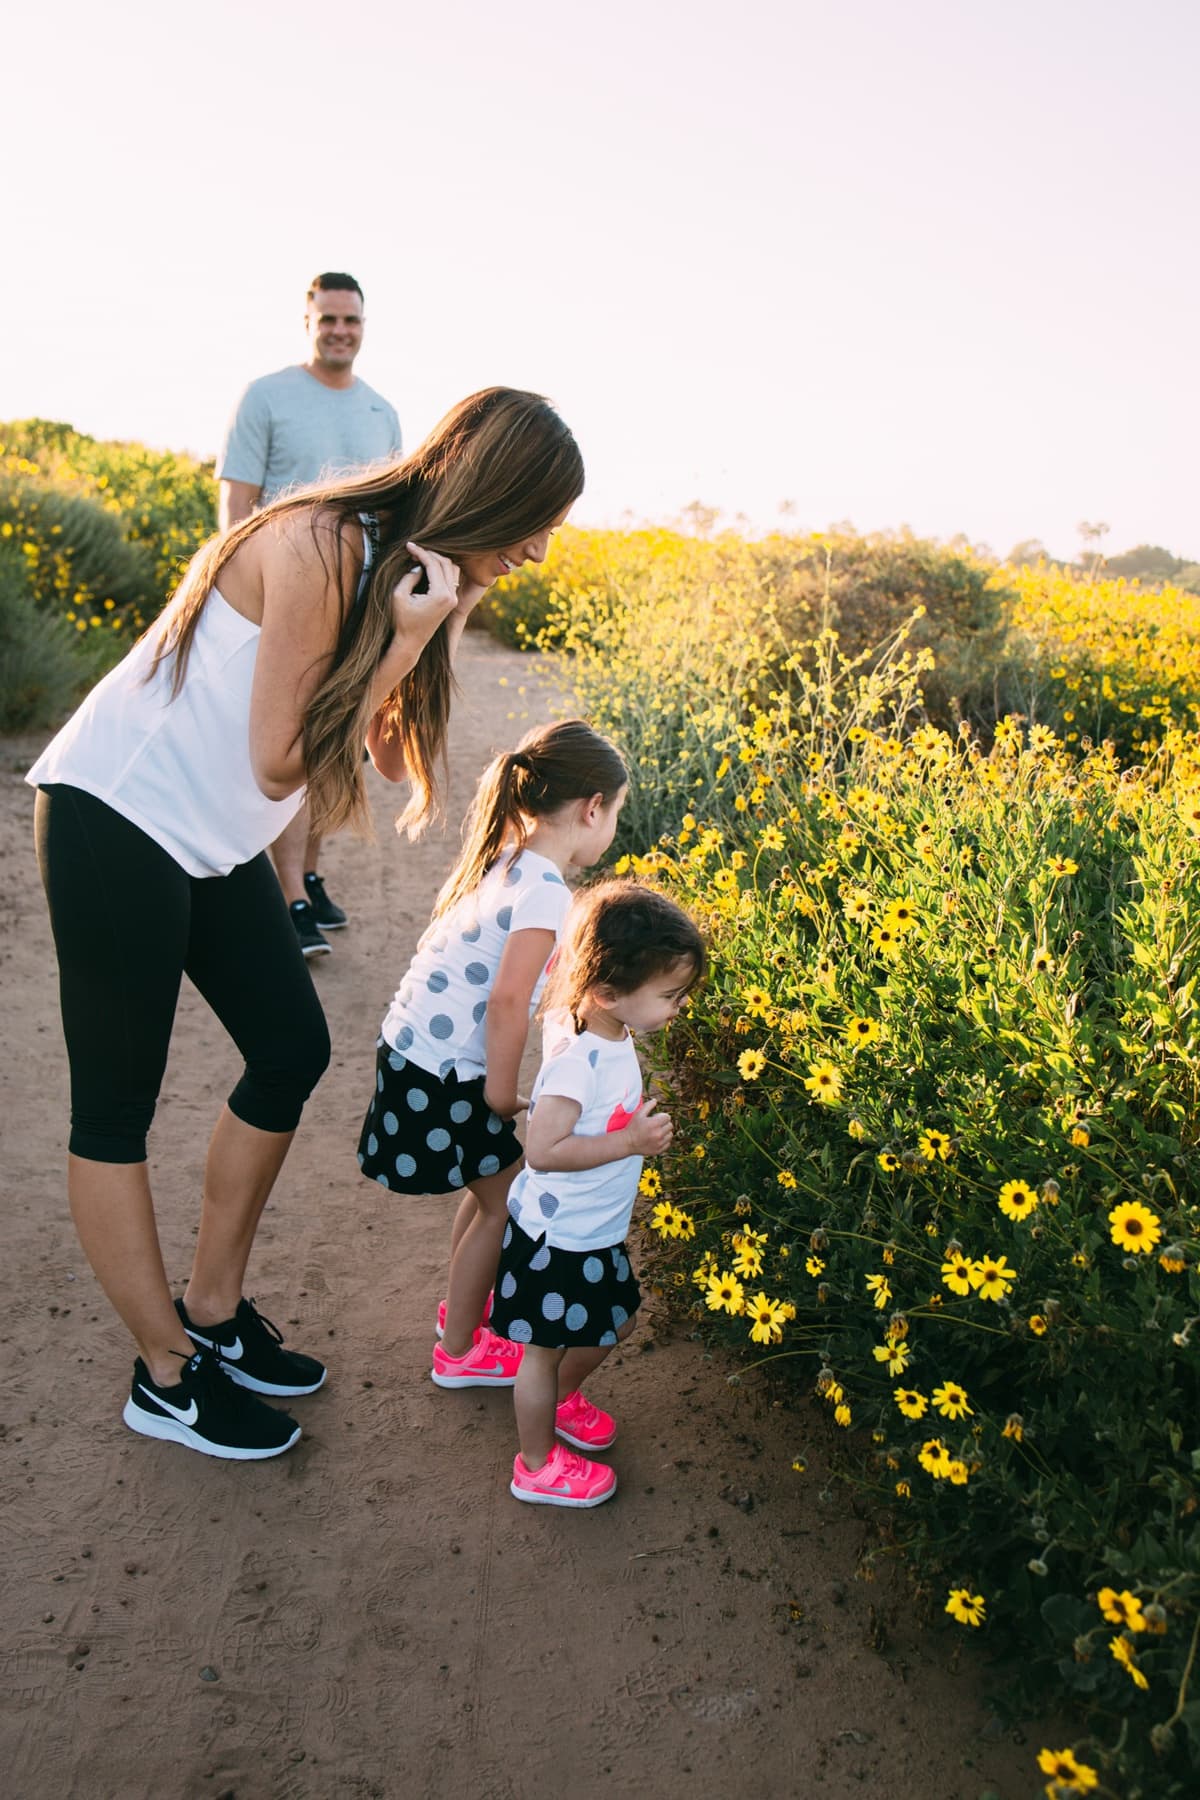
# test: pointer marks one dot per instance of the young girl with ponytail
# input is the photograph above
(450, 1048)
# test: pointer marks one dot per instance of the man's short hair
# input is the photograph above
(335, 283)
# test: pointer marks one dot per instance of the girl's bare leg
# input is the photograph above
(535, 1399)
(239, 1174)
(473, 1265)
(578, 1364)
(467, 1208)
(114, 1216)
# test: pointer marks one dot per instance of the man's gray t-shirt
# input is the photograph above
(289, 429)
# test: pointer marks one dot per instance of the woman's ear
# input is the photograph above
(592, 809)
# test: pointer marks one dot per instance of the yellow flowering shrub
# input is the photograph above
(1105, 659)
(93, 537)
(945, 1076)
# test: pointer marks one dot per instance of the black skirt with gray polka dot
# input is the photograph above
(430, 1134)
(561, 1299)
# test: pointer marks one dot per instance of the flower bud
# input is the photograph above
(1036, 1566)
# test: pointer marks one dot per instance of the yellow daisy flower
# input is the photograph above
(966, 1607)
(725, 1293)
(1062, 1767)
(951, 1400)
(1017, 1199)
(935, 1459)
(824, 1082)
(992, 1277)
(956, 1272)
(766, 1318)
(1134, 1227)
(1122, 1649)
(894, 1353)
(1121, 1608)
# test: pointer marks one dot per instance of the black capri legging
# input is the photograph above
(128, 922)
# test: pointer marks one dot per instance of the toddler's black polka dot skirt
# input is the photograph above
(561, 1299)
(425, 1135)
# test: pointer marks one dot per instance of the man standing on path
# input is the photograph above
(289, 429)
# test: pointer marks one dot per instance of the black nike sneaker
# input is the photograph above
(329, 916)
(205, 1411)
(252, 1354)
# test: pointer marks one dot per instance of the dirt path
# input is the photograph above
(373, 1615)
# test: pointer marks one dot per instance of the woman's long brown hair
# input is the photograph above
(551, 766)
(500, 467)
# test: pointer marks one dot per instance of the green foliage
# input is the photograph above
(93, 538)
(42, 669)
(166, 502)
(937, 1122)
(867, 588)
(1104, 660)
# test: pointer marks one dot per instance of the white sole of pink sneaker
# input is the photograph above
(585, 1443)
(466, 1381)
(540, 1499)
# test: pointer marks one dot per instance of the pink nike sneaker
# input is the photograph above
(564, 1479)
(490, 1362)
(583, 1424)
(441, 1313)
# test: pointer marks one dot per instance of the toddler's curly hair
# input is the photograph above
(620, 934)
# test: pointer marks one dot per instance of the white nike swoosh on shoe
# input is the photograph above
(229, 1352)
(558, 1487)
(185, 1418)
(496, 1369)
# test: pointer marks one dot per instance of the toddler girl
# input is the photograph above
(564, 1287)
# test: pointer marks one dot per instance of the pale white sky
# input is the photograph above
(933, 263)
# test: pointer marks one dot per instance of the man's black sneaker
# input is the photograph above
(205, 1411)
(328, 916)
(304, 919)
(252, 1354)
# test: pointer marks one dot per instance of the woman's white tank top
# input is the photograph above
(178, 769)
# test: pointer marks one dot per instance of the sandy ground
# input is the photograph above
(373, 1614)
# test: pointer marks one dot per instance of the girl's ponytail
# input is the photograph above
(550, 767)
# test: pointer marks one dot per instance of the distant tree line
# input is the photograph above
(1148, 563)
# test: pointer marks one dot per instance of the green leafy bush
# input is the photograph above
(93, 538)
(937, 1118)
(949, 600)
(166, 502)
(42, 669)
